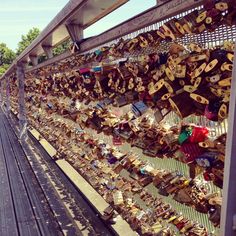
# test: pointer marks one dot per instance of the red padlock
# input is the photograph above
(199, 134)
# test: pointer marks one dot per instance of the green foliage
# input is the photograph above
(59, 49)
(31, 35)
(27, 39)
(7, 56)
(3, 69)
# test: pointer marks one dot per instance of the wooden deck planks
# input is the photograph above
(34, 206)
(26, 221)
(8, 224)
(41, 209)
(24, 210)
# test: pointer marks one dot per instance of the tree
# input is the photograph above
(3, 69)
(27, 39)
(64, 46)
(7, 56)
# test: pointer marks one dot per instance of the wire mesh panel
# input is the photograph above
(206, 39)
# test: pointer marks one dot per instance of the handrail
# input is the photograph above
(56, 31)
(148, 17)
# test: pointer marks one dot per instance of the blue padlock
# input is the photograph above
(97, 69)
(139, 108)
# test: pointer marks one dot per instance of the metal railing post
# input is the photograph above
(22, 113)
(228, 211)
(8, 106)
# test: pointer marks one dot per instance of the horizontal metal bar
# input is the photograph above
(68, 13)
(50, 61)
(140, 21)
(70, 7)
(56, 32)
(151, 16)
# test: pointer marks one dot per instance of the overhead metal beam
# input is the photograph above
(160, 2)
(48, 51)
(153, 15)
(80, 12)
(75, 31)
(34, 59)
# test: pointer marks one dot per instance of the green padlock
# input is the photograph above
(185, 134)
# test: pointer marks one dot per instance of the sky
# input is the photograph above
(17, 17)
